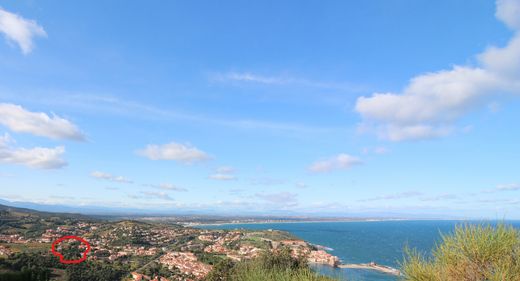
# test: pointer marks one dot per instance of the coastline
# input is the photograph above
(287, 222)
(313, 221)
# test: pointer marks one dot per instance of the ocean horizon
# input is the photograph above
(382, 241)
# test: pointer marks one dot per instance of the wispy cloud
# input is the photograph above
(508, 187)
(341, 161)
(431, 103)
(222, 177)
(98, 104)
(20, 120)
(401, 195)
(249, 77)
(184, 153)
(375, 150)
(166, 186)
(284, 199)
(441, 197)
(236, 191)
(109, 177)
(223, 174)
(267, 181)
(499, 201)
(503, 187)
(37, 157)
(157, 195)
(20, 30)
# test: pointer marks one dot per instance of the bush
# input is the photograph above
(471, 253)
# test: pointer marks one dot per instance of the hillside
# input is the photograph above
(125, 248)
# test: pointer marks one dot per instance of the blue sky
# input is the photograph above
(295, 107)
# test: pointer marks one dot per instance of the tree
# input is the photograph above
(221, 271)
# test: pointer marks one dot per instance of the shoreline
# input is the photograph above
(313, 221)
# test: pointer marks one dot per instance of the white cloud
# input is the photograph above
(166, 186)
(110, 177)
(184, 153)
(21, 120)
(5, 140)
(37, 157)
(341, 161)
(224, 173)
(19, 30)
(508, 11)
(431, 103)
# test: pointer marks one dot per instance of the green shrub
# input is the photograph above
(471, 253)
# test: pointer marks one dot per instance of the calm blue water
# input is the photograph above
(360, 242)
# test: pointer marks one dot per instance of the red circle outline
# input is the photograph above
(62, 259)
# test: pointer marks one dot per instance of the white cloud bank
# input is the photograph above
(20, 120)
(431, 103)
(109, 177)
(184, 153)
(341, 161)
(37, 157)
(20, 30)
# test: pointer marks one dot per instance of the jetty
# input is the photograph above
(373, 266)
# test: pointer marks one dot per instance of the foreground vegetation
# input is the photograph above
(44, 267)
(277, 266)
(471, 253)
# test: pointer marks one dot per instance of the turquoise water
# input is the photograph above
(361, 242)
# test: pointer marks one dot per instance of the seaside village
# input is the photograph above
(122, 241)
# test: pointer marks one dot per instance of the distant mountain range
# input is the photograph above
(206, 213)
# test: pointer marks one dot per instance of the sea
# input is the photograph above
(382, 242)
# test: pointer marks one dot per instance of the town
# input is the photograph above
(182, 253)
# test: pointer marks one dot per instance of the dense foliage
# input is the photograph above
(471, 253)
(27, 267)
(37, 267)
(279, 266)
(88, 271)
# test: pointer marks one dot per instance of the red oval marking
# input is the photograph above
(62, 258)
